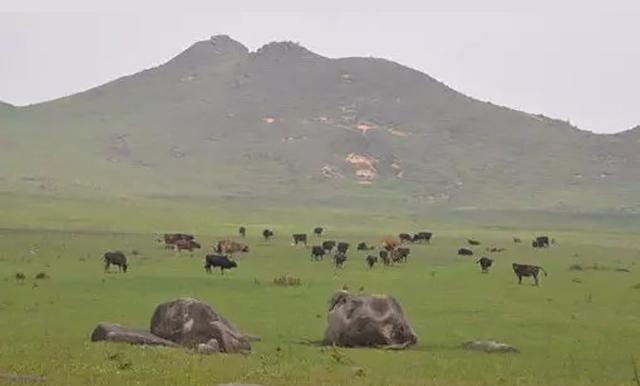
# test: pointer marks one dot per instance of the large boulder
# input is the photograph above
(367, 321)
(117, 333)
(189, 323)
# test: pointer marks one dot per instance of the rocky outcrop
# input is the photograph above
(189, 322)
(117, 333)
(489, 346)
(367, 321)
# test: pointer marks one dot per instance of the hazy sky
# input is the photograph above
(573, 60)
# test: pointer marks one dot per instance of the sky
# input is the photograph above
(573, 60)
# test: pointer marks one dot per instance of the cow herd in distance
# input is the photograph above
(391, 251)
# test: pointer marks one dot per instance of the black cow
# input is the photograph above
(465, 252)
(485, 264)
(221, 261)
(372, 260)
(400, 254)
(267, 234)
(384, 255)
(116, 258)
(541, 242)
(473, 242)
(527, 270)
(405, 237)
(517, 240)
(317, 252)
(339, 259)
(328, 245)
(318, 231)
(423, 236)
(343, 247)
(363, 247)
(300, 238)
(242, 231)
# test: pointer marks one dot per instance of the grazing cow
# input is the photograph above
(517, 240)
(371, 261)
(473, 242)
(465, 252)
(390, 245)
(267, 234)
(115, 258)
(300, 238)
(318, 231)
(317, 252)
(218, 261)
(363, 247)
(485, 264)
(339, 259)
(242, 231)
(405, 237)
(171, 238)
(186, 245)
(384, 255)
(494, 249)
(230, 247)
(343, 247)
(527, 270)
(422, 236)
(400, 254)
(328, 245)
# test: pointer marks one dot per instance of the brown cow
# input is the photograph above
(230, 247)
(185, 245)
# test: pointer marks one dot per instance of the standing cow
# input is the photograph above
(218, 261)
(186, 245)
(116, 258)
(317, 252)
(526, 270)
(343, 247)
(384, 255)
(405, 237)
(340, 259)
(329, 245)
(300, 238)
(423, 236)
(371, 261)
(242, 231)
(267, 234)
(485, 264)
(230, 247)
(318, 231)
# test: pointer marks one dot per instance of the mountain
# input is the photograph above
(286, 123)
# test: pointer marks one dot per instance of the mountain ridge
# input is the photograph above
(290, 120)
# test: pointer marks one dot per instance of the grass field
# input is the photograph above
(576, 328)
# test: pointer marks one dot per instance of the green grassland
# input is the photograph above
(576, 328)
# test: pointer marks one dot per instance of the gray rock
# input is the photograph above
(211, 347)
(117, 333)
(489, 346)
(367, 321)
(189, 322)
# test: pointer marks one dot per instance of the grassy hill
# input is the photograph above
(286, 124)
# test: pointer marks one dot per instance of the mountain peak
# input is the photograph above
(215, 49)
(285, 48)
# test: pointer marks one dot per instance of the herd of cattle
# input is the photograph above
(392, 251)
